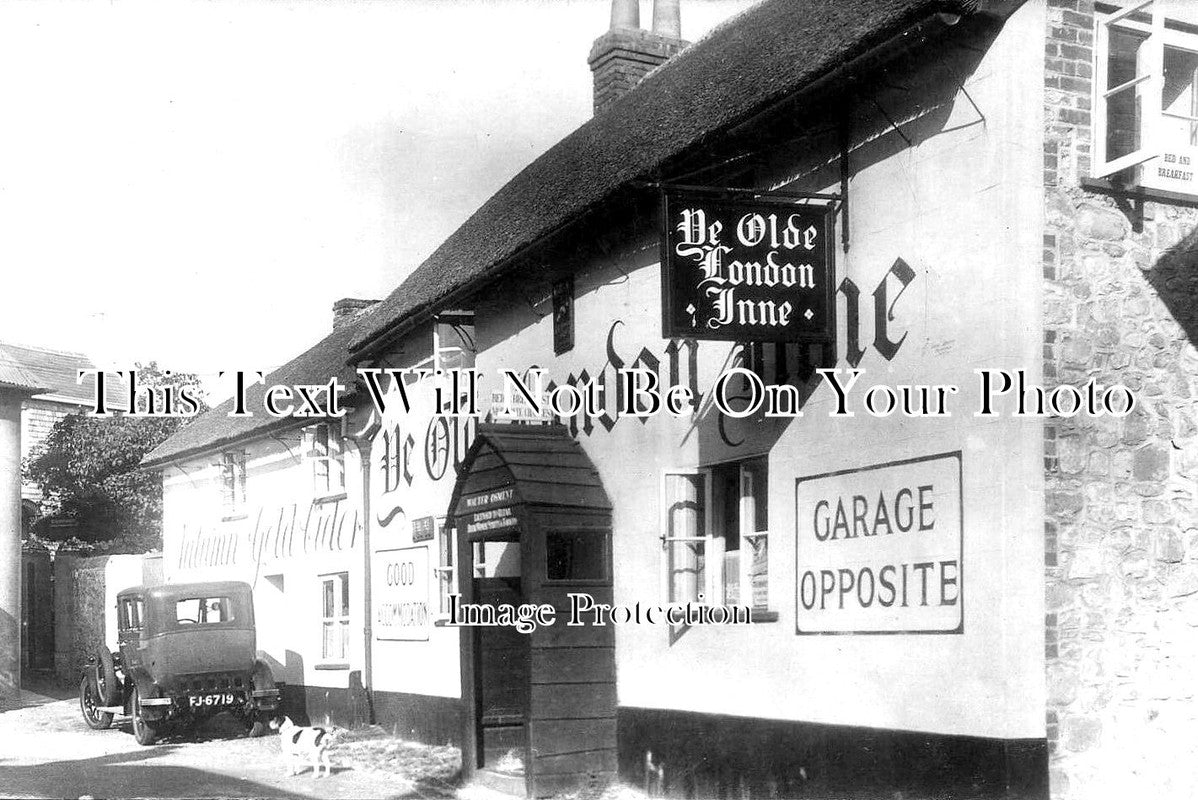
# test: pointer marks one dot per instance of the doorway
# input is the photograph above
(501, 662)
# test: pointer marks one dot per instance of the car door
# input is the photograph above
(130, 623)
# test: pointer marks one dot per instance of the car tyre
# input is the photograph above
(146, 733)
(107, 688)
(88, 697)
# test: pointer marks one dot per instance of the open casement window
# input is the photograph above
(686, 505)
(1146, 95)
(334, 599)
(326, 452)
(715, 535)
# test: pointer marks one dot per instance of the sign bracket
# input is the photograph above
(839, 200)
(737, 191)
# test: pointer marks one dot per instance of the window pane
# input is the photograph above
(758, 550)
(572, 555)
(757, 489)
(345, 595)
(327, 609)
(1178, 97)
(203, 610)
(445, 543)
(685, 498)
(320, 470)
(685, 565)
(444, 589)
(343, 645)
(188, 611)
(725, 498)
(1123, 108)
(732, 577)
(326, 648)
(216, 610)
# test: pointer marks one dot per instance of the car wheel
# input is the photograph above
(107, 688)
(144, 732)
(95, 719)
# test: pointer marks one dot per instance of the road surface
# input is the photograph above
(46, 750)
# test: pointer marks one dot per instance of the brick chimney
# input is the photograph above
(347, 308)
(626, 53)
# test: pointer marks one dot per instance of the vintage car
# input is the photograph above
(187, 651)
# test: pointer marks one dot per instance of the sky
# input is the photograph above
(196, 182)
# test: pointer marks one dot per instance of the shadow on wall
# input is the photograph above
(1175, 279)
(291, 677)
(320, 705)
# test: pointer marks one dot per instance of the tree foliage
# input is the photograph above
(87, 469)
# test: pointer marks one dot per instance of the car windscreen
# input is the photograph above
(203, 610)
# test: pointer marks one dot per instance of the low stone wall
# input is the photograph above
(85, 590)
(78, 611)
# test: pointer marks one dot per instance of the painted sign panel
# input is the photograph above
(746, 269)
(879, 549)
(401, 588)
(488, 511)
(1173, 171)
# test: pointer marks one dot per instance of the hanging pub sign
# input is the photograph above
(746, 268)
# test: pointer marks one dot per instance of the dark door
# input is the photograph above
(502, 674)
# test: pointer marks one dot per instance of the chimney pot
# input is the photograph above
(347, 309)
(625, 14)
(667, 18)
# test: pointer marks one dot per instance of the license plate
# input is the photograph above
(209, 700)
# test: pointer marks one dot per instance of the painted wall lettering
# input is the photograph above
(879, 549)
(401, 585)
(277, 533)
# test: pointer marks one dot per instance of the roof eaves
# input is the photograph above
(222, 444)
(935, 14)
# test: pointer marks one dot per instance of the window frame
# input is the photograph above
(131, 616)
(339, 621)
(605, 560)
(445, 572)
(1159, 37)
(714, 550)
(749, 534)
(708, 584)
(202, 610)
(331, 460)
